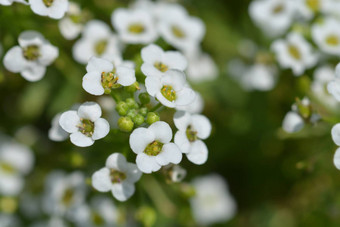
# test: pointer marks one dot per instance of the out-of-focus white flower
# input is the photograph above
(153, 148)
(100, 212)
(108, 105)
(16, 161)
(260, 77)
(118, 176)
(63, 193)
(157, 61)
(192, 129)
(274, 17)
(53, 221)
(332, 7)
(85, 125)
(56, 132)
(10, 2)
(181, 30)
(102, 76)
(336, 159)
(31, 57)
(177, 173)
(322, 76)
(327, 36)
(171, 90)
(71, 25)
(333, 87)
(55, 9)
(212, 202)
(292, 122)
(195, 107)
(134, 26)
(294, 53)
(8, 220)
(307, 9)
(336, 134)
(97, 40)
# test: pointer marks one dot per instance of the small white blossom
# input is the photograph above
(332, 7)
(53, 221)
(85, 125)
(212, 202)
(195, 107)
(336, 159)
(274, 17)
(292, 122)
(118, 176)
(31, 57)
(294, 53)
(102, 76)
(157, 62)
(327, 36)
(181, 30)
(192, 129)
(10, 2)
(9, 220)
(56, 132)
(171, 90)
(153, 148)
(134, 26)
(55, 9)
(71, 25)
(307, 9)
(333, 87)
(336, 134)
(259, 77)
(97, 40)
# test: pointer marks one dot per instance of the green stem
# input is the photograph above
(115, 96)
(159, 105)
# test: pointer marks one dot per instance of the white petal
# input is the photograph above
(152, 53)
(116, 161)
(82, 50)
(99, 65)
(69, 121)
(101, 180)
(182, 141)
(198, 153)
(202, 125)
(123, 191)
(133, 173)
(182, 120)
(185, 96)
(147, 164)
(175, 60)
(162, 131)
(333, 88)
(34, 72)
(14, 60)
(150, 70)
(175, 78)
(336, 159)
(92, 83)
(56, 132)
(336, 134)
(337, 70)
(165, 101)
(101, 129)
(170, 154)
(153, 85)
(11, 185)
(30, 37)
(140, 139)
(90, 111)
(80, 140)
(48, 54)
(292, 122)
(126, 76)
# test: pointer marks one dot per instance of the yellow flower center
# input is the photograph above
(48, 3)
(191, 134)
(117, 176)
(178, 32)
(161, 67)
(313, 5)
(168, 92)
(136, 28)
(31, 52)
(100, 47)
(109, 81)
(68, 197)
(294, 52)
(7, 168)
(278, 9)
(332, 40)
(86, 127)
(154, 148)
(97, 219)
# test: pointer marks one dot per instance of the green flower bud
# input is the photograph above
(125, 124)
(132, 88)
(138, 119)
(122, 108)
(131, 113)
(131, 103)
(143, 111)
(152, 117)
(144, 98)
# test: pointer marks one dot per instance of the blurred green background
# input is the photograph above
(276, 179)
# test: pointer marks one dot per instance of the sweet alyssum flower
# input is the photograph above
(259, 77)
(71, 25)
(274, 17)
(153, 148)
(85, 125)
(56, 132)
(333, 87)
(336, 159)
(118, 176)
(31, 57)
(195, 107)
(192, 129)
(157, 62)
(55, 9)
(16, 161)
(102, 76)
(212, 202)
(134, 26)
(327, 36)
(171, 89)
(10, 2)
(309, 8)
(97, 40)
(294, 53)
(181, 30)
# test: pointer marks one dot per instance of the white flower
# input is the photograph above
(259, 77)
(336, 159)
(108, 105)
(195, 107)
(55, 9)
(212, 202)
(9, 220)
(31, 57)
(134, 26)
(85, 125)
(157, 61)
(332, 7)
(53, 221)
(327, 36)
(181, 30)
(294, 53)
(192, 129)
(71, 25)
(102, 76)
(16, 161)
(56, 132)
(292, 122)
(171, 90)
(63, 193)
(97, 40)
(336, 134)
(153, 148)
(118, 176)
(177, 173)
(309, 8)
(274, 17)
(333, 87)
(10, 2)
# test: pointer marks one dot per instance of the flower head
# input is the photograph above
(55, 9)
(333, 86)
(327, 36)
(71, 25)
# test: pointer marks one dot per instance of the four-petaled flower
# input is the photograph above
(55, 9)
